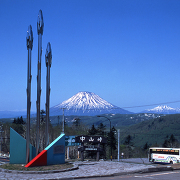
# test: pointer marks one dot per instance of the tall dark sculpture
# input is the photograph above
(40, 26)
(29, 41)
(48, 58)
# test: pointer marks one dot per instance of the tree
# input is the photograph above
(166, 143)
(42, 116)
(146, 146)
(101, 128)
(113, 129)
(42, 130)
(18, 120)
(92, 131)
(111, 140)
(128, 143)
(76, 122)
(18, 125)
(128, 140)
(15, 121)
(170, 142)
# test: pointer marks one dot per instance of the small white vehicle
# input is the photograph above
(164, 155)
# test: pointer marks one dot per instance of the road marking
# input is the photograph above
(159, 174)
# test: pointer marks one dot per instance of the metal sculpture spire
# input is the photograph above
(29, 42)
(40, 27)
(48, 61)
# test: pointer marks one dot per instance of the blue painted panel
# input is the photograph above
(32, 152)
(18, 149)
(56, 151)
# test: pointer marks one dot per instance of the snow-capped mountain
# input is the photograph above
(86, 103)
(163, 109)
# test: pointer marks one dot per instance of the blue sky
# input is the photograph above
(126, 51)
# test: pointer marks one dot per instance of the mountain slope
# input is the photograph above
(163, 109)
(154, 131)
(86, 103)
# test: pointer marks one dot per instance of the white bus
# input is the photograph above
(164, 155)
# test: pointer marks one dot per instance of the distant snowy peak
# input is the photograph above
(163, 109)
(84, 101)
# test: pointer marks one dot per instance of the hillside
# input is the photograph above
(143, 128)
(117, 120)
(153, 131)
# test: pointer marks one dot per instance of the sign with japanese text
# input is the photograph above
(70, 141)
(90, 139)
(89, 148)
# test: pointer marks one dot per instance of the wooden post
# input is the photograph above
(68, 152)
(97, 157)
(82, 152)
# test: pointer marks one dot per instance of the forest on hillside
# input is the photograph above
(155, 132)
(136, 135)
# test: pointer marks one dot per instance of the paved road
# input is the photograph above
(86, 169)
(95, 169)
(174, 175)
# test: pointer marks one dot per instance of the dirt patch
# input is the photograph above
(20, 167)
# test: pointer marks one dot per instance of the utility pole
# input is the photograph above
(63, 121)
(118, 144)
